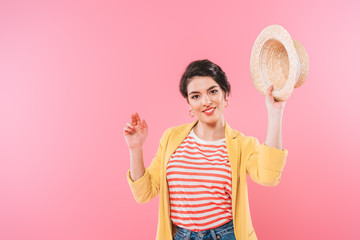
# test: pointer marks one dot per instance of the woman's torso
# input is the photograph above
(199, 181)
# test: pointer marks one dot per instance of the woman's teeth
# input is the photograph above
(210, 111)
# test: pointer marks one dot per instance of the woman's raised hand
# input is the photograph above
(274, 108)
(135, 132)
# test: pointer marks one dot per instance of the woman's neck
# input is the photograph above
(210, 132)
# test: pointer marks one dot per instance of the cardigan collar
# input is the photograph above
(182, 131)
(186, 128)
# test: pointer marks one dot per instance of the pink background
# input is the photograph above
(72, 72)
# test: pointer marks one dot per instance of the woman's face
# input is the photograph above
(205, 93)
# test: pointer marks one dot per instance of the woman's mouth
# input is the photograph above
(209, 111)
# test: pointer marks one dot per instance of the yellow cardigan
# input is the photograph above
(264, 164)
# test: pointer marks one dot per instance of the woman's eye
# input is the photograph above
(193, 97)
(214, 91)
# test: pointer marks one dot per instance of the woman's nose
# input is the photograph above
(206, 100)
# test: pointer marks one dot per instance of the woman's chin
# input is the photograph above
(209, 120)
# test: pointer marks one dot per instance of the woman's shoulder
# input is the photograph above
(243, 139)
(179, 128)
(175, 132)
(237, 133)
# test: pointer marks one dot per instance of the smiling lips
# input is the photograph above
(209, 111)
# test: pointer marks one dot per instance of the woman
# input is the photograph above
(200, 168)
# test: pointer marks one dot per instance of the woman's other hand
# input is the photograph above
(135, 132)
(274, 108)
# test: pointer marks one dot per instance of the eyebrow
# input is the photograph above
(199, 92)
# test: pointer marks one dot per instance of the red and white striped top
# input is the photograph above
(199, 180)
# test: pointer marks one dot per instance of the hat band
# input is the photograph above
(298, 71)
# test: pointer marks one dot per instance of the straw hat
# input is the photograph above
(279, 60)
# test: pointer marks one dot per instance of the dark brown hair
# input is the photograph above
(204, 68)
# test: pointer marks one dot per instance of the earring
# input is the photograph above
(227, 103)
(190, 112)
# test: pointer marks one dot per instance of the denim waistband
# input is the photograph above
(217, 229)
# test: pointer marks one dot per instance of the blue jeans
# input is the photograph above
(224, 232)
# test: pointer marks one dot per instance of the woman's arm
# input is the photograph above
(135, 134)
(147, 186)
(267, 161)
(265, 164)
(137, 168)
(275, 112)
(144, 183)
(273, 137)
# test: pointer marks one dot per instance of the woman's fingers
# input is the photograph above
(130, 125)
(138, 121)
(135, 122)
(144, 124)
(127, 130)
(133, 119)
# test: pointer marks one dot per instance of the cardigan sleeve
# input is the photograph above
(265, 164)
(147, 186)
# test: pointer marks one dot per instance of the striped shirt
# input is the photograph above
(199, 180)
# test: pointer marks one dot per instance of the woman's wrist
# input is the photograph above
(135, 149)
